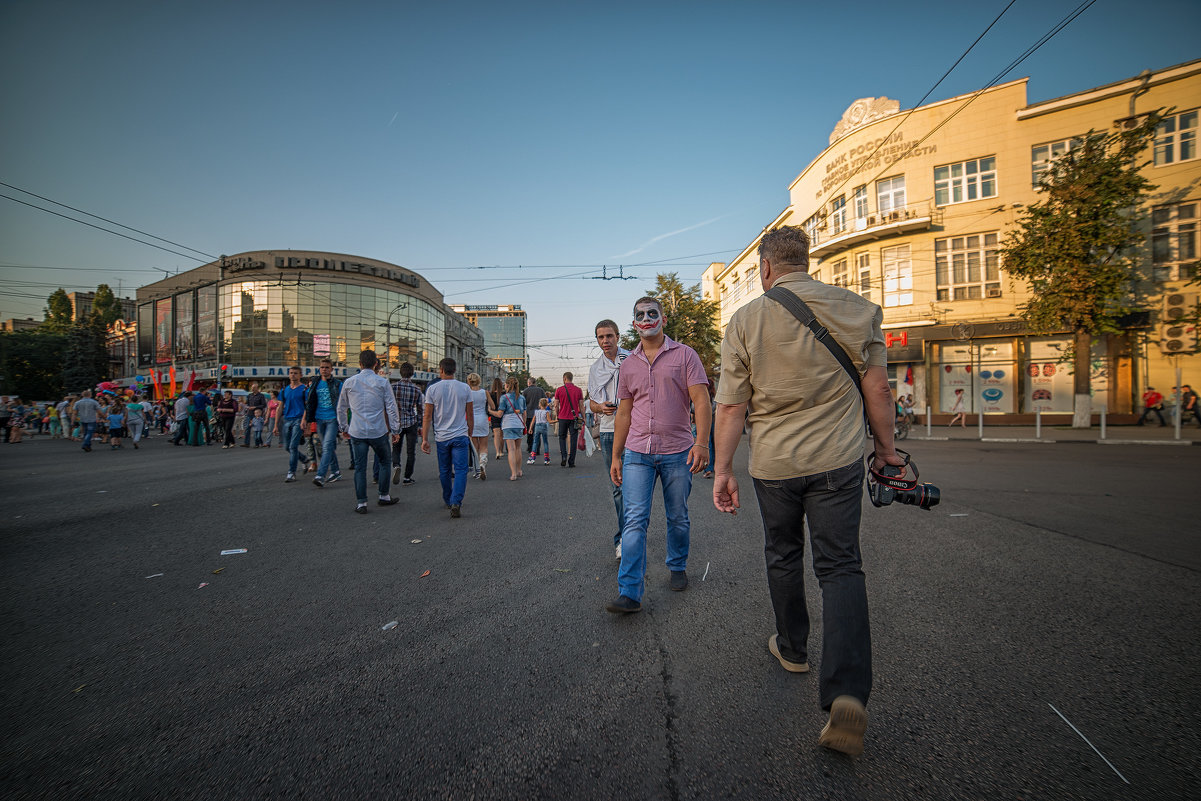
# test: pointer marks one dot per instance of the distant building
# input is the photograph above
(909, 210)
(19, 325)
(81, 305)
(504, 332)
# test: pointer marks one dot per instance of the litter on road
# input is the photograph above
(233, 551)
(154, 575)
(388, 626)
(706, 571)
(80, 687)
(1090, 745)
(203, 584)
(414, 541)
(423, 575)
(960, 514)
(218, 570)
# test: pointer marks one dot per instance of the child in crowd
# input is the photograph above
(56, 427)
(257, 424)
(541, 432)
(116, 423)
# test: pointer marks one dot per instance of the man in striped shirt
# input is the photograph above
(411, 404)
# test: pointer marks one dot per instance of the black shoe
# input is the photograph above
(679, 580)
(571, 464)
(387, 501)
(455, 511)
(562, 463)
(319, 482)
(408, 481)
(361, 509)
(624, 605)
(87, 449)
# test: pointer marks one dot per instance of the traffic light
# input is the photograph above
(224, 370)
(1178, 322)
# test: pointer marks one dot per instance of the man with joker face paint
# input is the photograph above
(652, 439)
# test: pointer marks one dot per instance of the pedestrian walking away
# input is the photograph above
(373, 423)
(532, 394)
(86, 410)
(410, 403)
(602, 399)
(1188, 402)
(183, 413)
(449, 413)
(200, 420)
(290, 419)
(254, 400)
(321, 406)
(482, 411)
(806, 438)
(135, 415)
(541, 433)
(497, 389)
(512, 425)
(569, 409)
(116, 424)
(653, 439)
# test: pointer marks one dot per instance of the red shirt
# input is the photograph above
(1152, 398)
(569, 398)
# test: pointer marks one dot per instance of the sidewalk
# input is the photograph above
(1114, 435)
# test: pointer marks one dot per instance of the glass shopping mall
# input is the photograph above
(261, 312)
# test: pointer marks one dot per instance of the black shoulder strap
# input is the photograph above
(802, 312)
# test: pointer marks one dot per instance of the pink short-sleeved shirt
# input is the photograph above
(659, 421)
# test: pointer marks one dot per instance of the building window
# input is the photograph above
(1176, 138)
(838, 214)
(898, 276)
(752, 275)
(810, 226)
(860, 202)
(890, 194)
(1043, 156)
(1174, 241)
(966, 267)
(967, 180)
(865, 275)
(839, 268)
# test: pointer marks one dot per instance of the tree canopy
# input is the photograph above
(60, 315)
(106, 309)
(1075, 248)
(690, 319)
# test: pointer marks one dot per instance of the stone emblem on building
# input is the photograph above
(863, 111)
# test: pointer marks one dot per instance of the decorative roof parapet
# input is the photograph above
(863, 111)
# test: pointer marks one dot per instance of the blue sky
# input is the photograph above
(442, 137)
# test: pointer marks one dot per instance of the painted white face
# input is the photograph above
(648, 320)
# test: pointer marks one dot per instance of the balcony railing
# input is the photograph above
(831, 238)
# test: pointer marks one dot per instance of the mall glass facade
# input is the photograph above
(264, 322)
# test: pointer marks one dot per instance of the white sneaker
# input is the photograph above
(619, 551)
(530, 460)
(289, 477)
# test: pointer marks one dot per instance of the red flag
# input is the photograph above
(191, 378)
(172, 374)
(909, 375)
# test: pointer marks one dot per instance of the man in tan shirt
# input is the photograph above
(807, 444)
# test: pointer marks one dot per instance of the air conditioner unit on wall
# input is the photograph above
(1178, 322)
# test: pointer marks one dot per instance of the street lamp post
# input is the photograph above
(388, 326)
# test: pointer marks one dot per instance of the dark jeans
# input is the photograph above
(832, 502)
(227, 428)
(383, 452)
(1147, 410)
(529, 434)
(606, 443)
(408, 438)
(567, 432)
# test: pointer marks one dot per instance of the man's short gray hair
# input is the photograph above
(787, 248)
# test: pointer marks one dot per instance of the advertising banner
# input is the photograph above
(320, 344)
(162, 331)
(185, 323)
(206, 322)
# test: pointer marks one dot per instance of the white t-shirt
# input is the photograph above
(449, 399)
(602, 386)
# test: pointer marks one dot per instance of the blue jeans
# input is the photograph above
(541, 439)
(88, 430)
(382, 446)
(327, 430)
(291, 435)
(831, 501)
(452, 469)
(639, 471)
(606, 443)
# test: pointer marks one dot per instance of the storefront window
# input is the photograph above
(984, 370)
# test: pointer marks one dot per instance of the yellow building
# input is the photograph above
(909, 208)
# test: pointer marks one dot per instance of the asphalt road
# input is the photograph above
(1062, 575)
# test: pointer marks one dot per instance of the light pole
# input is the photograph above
(388, 326)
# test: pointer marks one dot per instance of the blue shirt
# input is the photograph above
(116, 420)
(325, 402)
(200, 402)
(293, 401)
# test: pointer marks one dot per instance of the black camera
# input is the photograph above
(887, 485)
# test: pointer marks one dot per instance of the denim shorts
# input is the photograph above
(512, 433)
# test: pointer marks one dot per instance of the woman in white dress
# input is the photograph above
(481, 404)
(957, 410)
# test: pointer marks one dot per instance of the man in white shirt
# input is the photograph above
(448, 409)
(374, 416)
(602, 399)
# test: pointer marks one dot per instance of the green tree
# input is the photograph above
(31, 363)
(85, 360)
(1075, 247)
(690, 319)
(106, 309)
(60, 316)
